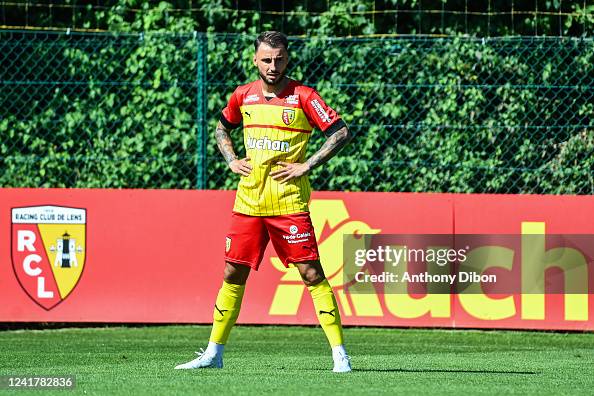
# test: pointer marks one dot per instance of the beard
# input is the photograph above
(268, 81)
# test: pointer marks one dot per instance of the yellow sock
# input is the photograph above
(226, 311)
(327, 312)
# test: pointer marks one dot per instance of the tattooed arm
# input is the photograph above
(331, 146)
(239, 166)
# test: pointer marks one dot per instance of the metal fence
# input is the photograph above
(457, 114)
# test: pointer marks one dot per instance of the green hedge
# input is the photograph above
(458, 114)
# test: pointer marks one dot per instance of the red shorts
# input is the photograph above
(292, 236)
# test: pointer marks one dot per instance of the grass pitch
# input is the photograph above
(296, 360)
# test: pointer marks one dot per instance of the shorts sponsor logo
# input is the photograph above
(293, 229)
(48, 251)
(320, 110)
(227, 244)
(297, 237)
(266, 144)
(292, 99)
(251, 98)
(288, 116)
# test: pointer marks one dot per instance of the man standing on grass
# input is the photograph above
(278, 116)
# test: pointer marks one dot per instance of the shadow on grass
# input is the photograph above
(401, 370)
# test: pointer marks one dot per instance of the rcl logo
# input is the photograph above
(26, 241)
(48, 251)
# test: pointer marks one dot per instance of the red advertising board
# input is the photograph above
(82, 255)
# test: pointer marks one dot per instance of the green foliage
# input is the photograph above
(121, 113)
(457, 114)
(332, 18)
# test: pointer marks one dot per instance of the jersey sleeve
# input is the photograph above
(231, 114)
(321, 115)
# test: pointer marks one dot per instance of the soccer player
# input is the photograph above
(271, 203)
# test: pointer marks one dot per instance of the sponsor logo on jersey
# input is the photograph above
(266, 144)
(251, 98)
(48, 251)
(292, 99)
(288, 116)
(293, 229)
(320, 110)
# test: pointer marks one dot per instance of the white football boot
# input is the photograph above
(204, 360)
(342, 361)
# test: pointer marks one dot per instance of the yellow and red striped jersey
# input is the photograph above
(276, 129)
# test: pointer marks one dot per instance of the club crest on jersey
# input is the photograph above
(288, 116)
(48, 246)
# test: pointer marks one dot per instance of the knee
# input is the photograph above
(236, 274)
(311, 276)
